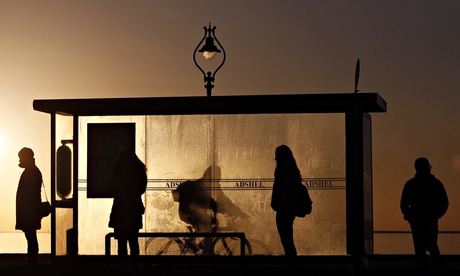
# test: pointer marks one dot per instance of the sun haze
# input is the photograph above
(2, 145)
(408, 53)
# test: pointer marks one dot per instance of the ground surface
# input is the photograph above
(15, 264)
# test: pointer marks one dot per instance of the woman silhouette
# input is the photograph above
(287, 176)
(128, 184)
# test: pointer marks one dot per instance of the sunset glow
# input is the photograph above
(2, 145)
(408, 53)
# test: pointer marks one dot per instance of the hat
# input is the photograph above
(422, 164)
(26, 153)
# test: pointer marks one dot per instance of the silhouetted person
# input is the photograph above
(28, 200)
(200, 200)
(199, 208)
(287, 175)
(196, 204)
(423, 202)
(127, 186)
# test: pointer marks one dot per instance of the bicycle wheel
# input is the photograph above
(231, 247)
(259, 248)
(163, 246)
(190, 246)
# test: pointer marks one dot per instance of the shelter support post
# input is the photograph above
(359, 212)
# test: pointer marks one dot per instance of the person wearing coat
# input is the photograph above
(28, 200)
(127, 186)
(423, 202)
(287, 176)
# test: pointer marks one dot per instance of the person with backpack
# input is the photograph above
(423, 202)
(287, 176)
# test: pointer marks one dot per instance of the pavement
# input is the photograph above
(375, 265)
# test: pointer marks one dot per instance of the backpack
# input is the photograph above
(303, 202)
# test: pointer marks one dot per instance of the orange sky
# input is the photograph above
(80, 49)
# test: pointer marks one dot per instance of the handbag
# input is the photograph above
(45, 206)
(45, 209)
(303, 202)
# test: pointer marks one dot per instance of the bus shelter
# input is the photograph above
(227, 142)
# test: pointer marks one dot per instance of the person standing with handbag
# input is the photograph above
(28, 201)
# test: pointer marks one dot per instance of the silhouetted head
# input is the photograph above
(283, 154)
(212, 172)
(422, 165)
(26, 157)
(286, 162)
(126, 159)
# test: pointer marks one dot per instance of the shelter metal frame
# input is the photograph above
(358, 132)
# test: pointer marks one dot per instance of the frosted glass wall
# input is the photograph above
(232, 158)
(64, 212)
(93, 213)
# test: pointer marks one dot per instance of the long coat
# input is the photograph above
(284, 190)
(127, 187)
(28, 199)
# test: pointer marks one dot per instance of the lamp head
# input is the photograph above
(209, 50)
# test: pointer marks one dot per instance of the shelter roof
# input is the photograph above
(246, 104)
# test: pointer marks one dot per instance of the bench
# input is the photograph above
(239, 235)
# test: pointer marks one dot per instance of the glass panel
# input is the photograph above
(64, 134)
(93, 213)
(318, 144)
(64, 222)
(178, 149)
(231, 159)
(64, 193)
(245, 147)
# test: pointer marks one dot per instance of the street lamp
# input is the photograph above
(209, 51)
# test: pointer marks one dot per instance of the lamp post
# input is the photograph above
(209, 50)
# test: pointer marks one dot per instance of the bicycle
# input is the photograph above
(222, 246)
(196, 244)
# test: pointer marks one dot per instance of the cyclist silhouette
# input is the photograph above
(198, 206)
